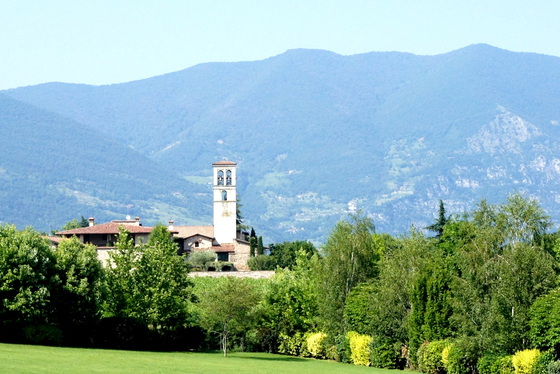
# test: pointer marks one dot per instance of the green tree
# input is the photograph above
(290, 304)
(228, 308)
(350, 257)
(501, 269)
(285, 254)
(523, 220)
(522, 273)
(392, 303)
(440, 222)
(79, 297)
(429, 318)
(121, 276)
(545, 322)
(253, 245)
(27, 281)
(198, 259)
(150, 283)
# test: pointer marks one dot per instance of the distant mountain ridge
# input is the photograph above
(318, 135)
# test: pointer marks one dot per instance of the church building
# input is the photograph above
(222, 237)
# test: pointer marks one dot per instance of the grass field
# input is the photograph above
(38, 359)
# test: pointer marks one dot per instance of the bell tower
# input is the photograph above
(225, 201)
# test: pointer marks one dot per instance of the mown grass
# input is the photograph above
(17, 359)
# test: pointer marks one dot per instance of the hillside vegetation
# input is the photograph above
(318, 135)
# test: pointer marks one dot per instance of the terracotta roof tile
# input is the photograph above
(224, 248)
(106, 228)
(54, 239)
(188, 231)
(225, 163)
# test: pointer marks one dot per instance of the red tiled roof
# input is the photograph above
(225, 163)
(54, 239)
(107, 228)
(189, 231)
(224, 248)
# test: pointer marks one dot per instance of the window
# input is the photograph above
(223, 256)
(224, 195)
(196, 244)
(228, 178)
(220, 177)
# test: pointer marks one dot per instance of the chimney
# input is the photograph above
(137, 221)
(171, 227)
(91, 221)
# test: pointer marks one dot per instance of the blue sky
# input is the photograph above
(103, 42)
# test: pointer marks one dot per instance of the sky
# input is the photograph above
(112, 41)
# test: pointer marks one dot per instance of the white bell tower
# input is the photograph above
(225, 201)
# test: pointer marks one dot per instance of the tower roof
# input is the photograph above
(224, 162)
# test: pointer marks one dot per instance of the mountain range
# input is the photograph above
(316, 136)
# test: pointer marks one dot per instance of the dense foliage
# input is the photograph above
(481, 296)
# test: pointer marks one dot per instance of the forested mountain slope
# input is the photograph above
(317, 134)
(53, 169)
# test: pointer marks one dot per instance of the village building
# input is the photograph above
(223, 237)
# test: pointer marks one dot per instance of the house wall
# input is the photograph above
(241, 255)
(203, 243)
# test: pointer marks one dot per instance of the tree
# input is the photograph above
(198, 259)
(523, 220)
(239, 217)
(27, 279)
(73, 224)
(285, 254)
(440, 222)
(502, 268)
(350, 257)
(228, 308)
(150, 283)
(545, 322)
(260, 246)
(290, 304)
(79, 297)
(392, 299)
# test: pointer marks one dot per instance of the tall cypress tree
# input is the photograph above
(440, 222)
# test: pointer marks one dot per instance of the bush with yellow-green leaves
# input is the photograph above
(524, 361)
(315, 344)
(360, 348)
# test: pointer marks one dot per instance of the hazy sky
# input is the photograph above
(102, 41)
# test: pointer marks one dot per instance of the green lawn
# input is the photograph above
(38, 359)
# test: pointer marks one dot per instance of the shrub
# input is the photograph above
(315, 345)
(123, 333)
(198, 259)
(445, 355)
(430, 355)
(360, 348)
(553, 367)
(462, 356)
(544, 359)
(504, 365)
(43, 334)
(262, 262)
(339, 349)
(524, 361)
(495, 363)
(293, 345)
(386, 354)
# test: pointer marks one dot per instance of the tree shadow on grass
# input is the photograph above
(276, 358)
